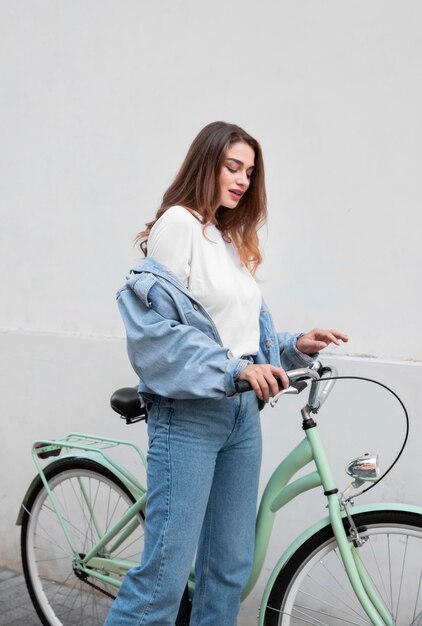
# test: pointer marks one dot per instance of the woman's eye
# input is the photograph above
(231, 170)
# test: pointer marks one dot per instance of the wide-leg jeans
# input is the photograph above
(203, 469)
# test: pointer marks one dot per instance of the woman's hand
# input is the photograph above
(262, 379)
(318, 339)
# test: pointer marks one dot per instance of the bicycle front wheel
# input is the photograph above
(313, 587)
(91, 499)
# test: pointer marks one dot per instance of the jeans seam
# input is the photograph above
(205, 564)
(147, 609)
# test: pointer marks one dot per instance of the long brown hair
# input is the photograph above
(196, 188)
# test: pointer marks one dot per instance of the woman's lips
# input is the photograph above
(235, 194)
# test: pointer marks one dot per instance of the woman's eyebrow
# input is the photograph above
(239, 162)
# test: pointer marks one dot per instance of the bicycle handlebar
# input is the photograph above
(299, 379)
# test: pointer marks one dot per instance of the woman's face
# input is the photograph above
(235, 174)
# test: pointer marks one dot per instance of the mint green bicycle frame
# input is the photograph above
(279, 491)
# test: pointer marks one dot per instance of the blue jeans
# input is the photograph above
(203, 468)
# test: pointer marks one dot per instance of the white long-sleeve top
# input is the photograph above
(211, 269)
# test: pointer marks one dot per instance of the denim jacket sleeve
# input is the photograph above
(291, 357)
(174, 359)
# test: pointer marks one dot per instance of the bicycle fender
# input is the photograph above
(32, 486)
(322, 523)
(98, 458)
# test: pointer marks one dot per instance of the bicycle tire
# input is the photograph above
(313, 588)
(59, 596)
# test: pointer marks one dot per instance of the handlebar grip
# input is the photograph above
(242, 385)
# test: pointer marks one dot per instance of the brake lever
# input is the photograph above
(294, 388)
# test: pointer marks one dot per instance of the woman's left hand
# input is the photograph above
(318, 339)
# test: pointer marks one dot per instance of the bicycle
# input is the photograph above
(82, 523)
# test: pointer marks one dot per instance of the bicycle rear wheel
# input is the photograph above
(313, 588)
(91, 499)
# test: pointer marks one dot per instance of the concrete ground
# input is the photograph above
(15, 604)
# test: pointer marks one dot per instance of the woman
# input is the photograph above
(195, 325)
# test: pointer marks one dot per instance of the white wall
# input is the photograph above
(99, 102)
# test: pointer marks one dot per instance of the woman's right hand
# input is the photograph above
(262, 379)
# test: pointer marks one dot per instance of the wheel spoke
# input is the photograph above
(342, 619)
(311, 619)
(401, 579)
(415, 617)
(378, 569)
(390, 575)
(283, 613)
(344, 587)
(335, 607)
(45, 535)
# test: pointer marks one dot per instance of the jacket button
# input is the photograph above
(195, 306)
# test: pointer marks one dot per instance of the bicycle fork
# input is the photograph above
(361, 583)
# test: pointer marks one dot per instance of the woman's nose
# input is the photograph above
(242, 178)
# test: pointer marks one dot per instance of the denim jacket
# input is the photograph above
(174, 346)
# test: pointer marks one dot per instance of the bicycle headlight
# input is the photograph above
(364, 467)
